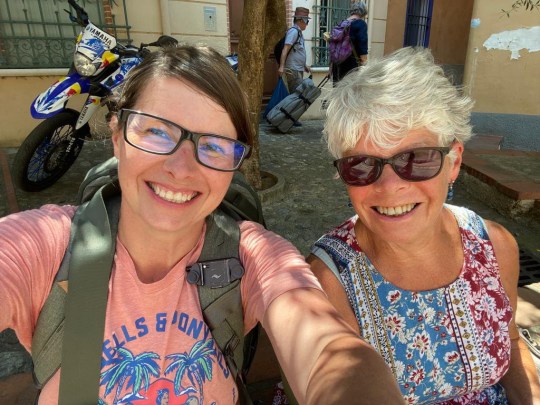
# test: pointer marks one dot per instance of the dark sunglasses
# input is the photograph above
(413, 165)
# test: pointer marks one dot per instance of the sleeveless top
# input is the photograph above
(448, 345)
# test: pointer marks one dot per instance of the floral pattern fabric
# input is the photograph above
(448, 345)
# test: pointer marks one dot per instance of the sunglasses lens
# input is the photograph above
(419, 164)
(358, 170)
(414, 165)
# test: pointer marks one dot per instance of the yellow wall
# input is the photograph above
(18, 94)
(395, 25)
(498, 83)
(449, 29)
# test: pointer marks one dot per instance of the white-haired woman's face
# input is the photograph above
(391, 206)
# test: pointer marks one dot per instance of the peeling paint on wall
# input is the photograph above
(514, 41)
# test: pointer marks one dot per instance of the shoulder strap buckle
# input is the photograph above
(215, 273)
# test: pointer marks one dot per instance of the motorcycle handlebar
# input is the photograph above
(82, 15)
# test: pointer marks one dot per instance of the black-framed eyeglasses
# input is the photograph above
(162, 137)
(418, 164)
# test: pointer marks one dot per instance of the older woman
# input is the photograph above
(431, 286)
(181, 129)
(358, 33)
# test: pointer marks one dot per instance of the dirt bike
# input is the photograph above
(99, 65)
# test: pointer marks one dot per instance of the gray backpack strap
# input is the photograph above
(68, 323)
(222, 307)
(86, 254)
(91, 262)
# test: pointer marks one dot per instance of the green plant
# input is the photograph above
(530, 5)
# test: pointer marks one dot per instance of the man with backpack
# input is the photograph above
(348, 43)
(292, 61)
(155, 247)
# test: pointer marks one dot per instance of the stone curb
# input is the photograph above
(276, 191)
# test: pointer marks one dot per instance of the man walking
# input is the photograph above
(293, 56)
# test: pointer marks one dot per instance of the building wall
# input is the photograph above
(449, 29)
(499, 80)
(395, 27)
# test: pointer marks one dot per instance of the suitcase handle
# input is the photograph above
(323, 81)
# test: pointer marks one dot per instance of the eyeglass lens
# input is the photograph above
(155, 135)
(414, 165)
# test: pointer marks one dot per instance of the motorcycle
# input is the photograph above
(100, 64)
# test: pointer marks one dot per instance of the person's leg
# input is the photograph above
(293, 79)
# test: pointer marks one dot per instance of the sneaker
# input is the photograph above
(297, 124)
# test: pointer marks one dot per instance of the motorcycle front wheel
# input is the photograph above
(47, 152)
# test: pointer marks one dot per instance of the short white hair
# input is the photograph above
(385, 99)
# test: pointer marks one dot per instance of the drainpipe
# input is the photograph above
(371, 12)
(165, 19)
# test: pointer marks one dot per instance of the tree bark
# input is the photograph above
(263, 23)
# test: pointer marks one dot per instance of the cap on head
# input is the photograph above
(301, 12)
(359, 7)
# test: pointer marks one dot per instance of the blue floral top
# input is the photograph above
(449, 345)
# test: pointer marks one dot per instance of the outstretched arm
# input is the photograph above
(521, 380)
(323, 358)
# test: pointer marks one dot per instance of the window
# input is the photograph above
(328, 14)
(39, 34)
(418, 23)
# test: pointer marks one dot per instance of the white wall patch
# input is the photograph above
(515, 40)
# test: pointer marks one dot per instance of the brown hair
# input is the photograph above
(201, 67)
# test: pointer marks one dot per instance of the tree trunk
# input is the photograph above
(263, 23)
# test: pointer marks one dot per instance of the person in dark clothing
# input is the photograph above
(358, 33)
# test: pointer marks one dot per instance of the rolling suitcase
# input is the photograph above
(290, 109)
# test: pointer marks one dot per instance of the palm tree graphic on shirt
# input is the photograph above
(131, 371)
(197, 366)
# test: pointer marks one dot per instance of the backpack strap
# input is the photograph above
(299, 32)
(94, 229)
(222, 307)
(90, 263)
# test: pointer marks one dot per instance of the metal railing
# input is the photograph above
(328, 13)
(38, 33)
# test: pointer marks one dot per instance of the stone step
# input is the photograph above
(485, 141)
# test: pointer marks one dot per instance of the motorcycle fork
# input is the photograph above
(91, 105)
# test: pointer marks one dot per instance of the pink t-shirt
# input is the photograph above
(152, 330)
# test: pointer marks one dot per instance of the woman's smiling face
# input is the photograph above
(395, 209)
(172, 192)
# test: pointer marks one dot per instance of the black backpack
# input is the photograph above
(278, 48)
(69, 329)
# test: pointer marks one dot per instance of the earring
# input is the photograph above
(450, 193)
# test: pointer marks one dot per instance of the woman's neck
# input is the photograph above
(155, 253)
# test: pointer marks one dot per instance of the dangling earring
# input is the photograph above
(450, 193)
